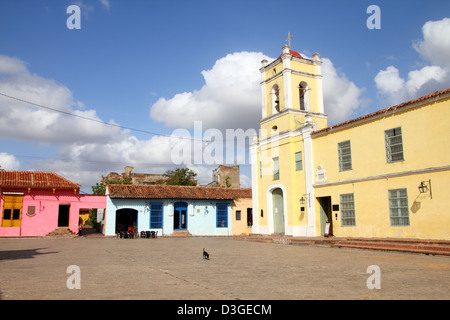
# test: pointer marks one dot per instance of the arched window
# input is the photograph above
(304, 96)
(275, 99)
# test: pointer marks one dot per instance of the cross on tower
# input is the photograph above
(289, 38)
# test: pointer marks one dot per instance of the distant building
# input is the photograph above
(225, 177)
(137, 178)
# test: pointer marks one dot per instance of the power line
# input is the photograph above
(101, 161)
(206, 142)
(99, 121)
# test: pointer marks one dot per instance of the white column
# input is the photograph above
(287, 77)
(318, 63)
(263, 89)
(309, 177)
(255, 178)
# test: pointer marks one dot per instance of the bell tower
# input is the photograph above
(291, 88)
(282, 155)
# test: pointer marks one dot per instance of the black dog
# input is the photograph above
(205, 254)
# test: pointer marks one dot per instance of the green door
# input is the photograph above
(278, 211)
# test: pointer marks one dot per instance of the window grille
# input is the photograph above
(398, 207)
(348, 210)
(394, 145)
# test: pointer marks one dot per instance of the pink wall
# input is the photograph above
(45, 218)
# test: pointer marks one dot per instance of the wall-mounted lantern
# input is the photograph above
(425, 186)
(304, 199)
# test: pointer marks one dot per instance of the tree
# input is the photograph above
(181, 177)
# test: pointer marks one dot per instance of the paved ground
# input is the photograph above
(173, 268)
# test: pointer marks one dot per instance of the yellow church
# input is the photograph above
(382, 175)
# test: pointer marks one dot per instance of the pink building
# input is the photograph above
(37, 203)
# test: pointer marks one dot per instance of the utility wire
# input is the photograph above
(101, 121)
(96, 161)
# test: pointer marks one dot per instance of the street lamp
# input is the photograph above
(425, 186)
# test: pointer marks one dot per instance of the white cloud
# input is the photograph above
(434, 47)
(230, 97)
(341, 96)
(8, 162)
(40, 124)
(11, 65)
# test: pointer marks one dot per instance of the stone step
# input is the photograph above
(181, 233)
(61, 232)
(417, 247)
(434, 247)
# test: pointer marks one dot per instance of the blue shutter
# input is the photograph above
(156, 215)
(222, 215)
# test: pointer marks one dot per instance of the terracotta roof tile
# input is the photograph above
(379, 112)
(176, 192)
(294, 53)
(33, 179)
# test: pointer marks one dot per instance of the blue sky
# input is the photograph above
(159, 65)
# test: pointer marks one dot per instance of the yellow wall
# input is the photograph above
(426, 138)
(240, 226)
(428, 217)
(292, 180)
(425, 131)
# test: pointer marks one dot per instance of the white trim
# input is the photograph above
(293, 111)
(309, 180)
(255, 176)
(385, 176)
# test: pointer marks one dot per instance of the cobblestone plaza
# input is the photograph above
(173, 269)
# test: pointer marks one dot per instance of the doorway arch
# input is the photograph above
(276, 207)
(278, 211)
(125, 218)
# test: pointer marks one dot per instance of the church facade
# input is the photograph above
(385, 174)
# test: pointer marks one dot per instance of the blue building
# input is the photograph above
(171, 210)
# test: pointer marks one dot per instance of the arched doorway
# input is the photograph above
(126, 218)
(180, 216)
(278, 211)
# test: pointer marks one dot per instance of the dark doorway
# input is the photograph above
(126, 218)
(180, 216)
(325, 216)
(63, 215)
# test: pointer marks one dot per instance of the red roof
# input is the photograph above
(294, 53)
(379, 112)
(33, 179)
(176, 192)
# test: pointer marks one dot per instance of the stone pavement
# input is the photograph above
(173, 269)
